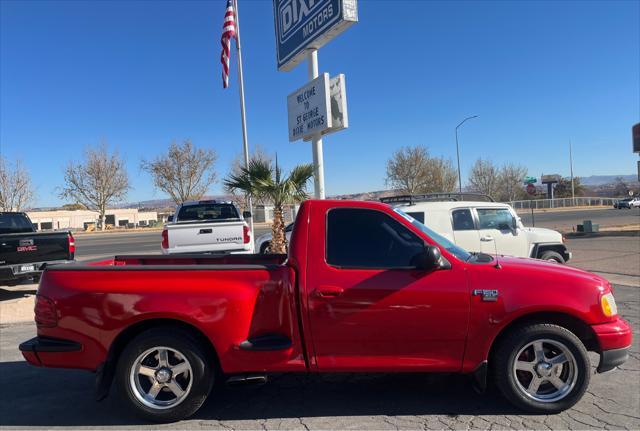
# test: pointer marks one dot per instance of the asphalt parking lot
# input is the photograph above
(49, 398)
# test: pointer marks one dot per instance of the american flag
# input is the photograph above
(228, 31)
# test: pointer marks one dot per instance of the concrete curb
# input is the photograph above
(17, 310)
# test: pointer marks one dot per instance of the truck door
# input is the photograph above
(499, 225)
(465, 232)
(370, 308)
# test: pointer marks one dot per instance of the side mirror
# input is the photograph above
(170, 218)
(246, 214)
(429, 259)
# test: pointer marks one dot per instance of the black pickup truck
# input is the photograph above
(24, 253)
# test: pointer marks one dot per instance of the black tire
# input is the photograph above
(553, 256)
(264, 248)
(507, 379)
(201, 374)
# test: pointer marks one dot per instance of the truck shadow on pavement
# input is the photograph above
(6, 294)
(53, 397)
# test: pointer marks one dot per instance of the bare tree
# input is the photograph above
(484, 177)
(563, 188)
(184, 173)
(510, 182)
(98, 181)
(442, 176)
(16, 189)
(621, 188)
(412, 170)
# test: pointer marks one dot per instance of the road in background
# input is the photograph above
(566, 220)
(104, 245)
(45, 398)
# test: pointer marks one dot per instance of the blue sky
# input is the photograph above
(141, 74)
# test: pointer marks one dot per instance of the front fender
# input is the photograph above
(527, 287)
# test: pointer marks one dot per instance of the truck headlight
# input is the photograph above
(608, 304)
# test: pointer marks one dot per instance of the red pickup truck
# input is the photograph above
(365, 288)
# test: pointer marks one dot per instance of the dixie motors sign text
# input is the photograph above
(303, 24)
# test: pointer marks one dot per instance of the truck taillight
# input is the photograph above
(165, 239)
(72, 243)
(45, 312)
(246, 234)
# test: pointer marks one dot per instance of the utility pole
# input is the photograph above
(458, 152)
(573, 192)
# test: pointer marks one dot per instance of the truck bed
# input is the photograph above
(25, 254)
(244, 304)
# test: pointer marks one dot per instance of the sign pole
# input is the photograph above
(318, 162)
(243, 116)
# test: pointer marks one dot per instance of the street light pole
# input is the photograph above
(458, 152)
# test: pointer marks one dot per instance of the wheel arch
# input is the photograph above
(106, 371)
(572, 323)
(541, 248)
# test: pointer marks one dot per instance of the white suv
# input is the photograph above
(486, 227)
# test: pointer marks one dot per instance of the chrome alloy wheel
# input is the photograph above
(161, 378)
(545, 370)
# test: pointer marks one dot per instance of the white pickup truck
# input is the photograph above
(209, 226)
(486, 227)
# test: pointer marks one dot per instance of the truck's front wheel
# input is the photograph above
(552, 256)
(164, 375)
(542, 368)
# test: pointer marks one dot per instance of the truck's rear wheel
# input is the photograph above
(552, 256)
(542, 368)
(164, 375)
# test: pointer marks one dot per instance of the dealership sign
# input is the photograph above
(337, 105)
(309, 109)
(308, 24)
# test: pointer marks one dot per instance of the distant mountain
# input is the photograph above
(596, 180)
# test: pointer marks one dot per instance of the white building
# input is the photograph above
(264, 213)
(82, 219)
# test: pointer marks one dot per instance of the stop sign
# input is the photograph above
(531, 189)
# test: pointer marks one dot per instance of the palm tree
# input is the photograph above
(263, 181)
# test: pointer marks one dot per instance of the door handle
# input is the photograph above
(328, 292)
(205, 231)
(487, 238)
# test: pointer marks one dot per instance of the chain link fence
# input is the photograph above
(564, 203)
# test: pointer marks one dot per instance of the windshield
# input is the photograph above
(208, 211)
(458, 252)
(15, 223)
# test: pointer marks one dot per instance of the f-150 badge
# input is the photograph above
(486, 295)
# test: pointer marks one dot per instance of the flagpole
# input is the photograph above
(242, 113)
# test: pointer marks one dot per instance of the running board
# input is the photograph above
(266, 342)
(247, 379)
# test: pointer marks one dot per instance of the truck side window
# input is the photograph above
(362, 238)
(494, 218)
(462, 220)
(418, 216)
